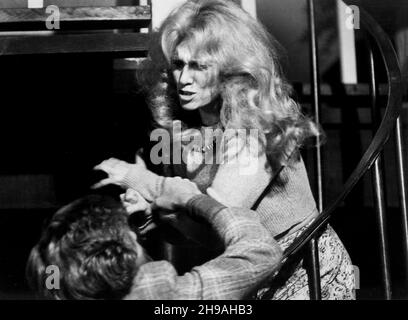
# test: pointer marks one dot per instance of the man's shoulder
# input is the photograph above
(153, 281)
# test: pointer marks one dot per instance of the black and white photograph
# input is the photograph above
(230, 150)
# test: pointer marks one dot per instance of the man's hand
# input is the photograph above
(176, 192)
(134, 202)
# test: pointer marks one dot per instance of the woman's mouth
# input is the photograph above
(186, 95)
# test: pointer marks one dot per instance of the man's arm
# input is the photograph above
(250, 257)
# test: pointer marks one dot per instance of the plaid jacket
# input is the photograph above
(250, 257)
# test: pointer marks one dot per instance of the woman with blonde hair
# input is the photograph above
(216, 70)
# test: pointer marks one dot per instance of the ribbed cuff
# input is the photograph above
(147, 183)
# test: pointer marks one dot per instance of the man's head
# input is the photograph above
(92, 245)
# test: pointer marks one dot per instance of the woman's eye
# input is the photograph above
(198, 66)
(202, 67)
(177, 64)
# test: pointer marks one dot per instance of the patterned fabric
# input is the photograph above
(250, 256)
(336, 272)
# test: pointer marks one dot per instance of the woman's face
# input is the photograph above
(194, 88)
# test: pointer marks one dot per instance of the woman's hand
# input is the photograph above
(117, 171)
(134, 176)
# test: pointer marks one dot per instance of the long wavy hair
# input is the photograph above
(254, 93)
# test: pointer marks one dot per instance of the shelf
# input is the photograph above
(118, 44)
(75, 18)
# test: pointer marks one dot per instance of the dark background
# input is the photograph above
(61, 115)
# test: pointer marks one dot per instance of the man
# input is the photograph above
(99, 257)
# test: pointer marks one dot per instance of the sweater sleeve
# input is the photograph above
(147, 183)
(242, 176)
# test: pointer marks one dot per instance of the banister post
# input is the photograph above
(312, 260)
(402, 196)
(378, 184)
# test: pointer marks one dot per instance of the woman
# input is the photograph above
(217, 68)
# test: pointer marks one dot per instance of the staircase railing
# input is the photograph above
(390, 121)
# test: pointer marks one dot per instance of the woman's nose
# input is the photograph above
(186, 75)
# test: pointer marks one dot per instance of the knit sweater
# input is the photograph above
(239, 181)
(285, 209)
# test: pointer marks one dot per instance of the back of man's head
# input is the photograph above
(91, 244)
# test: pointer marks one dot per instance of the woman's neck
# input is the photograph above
(210, 115)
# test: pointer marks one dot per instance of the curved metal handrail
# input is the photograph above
(394, 105)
